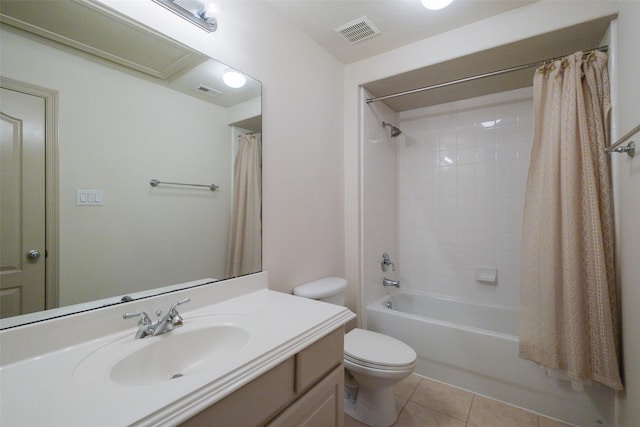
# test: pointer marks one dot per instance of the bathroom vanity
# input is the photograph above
(305, 389)
(244, 356)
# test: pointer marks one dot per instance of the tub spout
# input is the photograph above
(389, 282)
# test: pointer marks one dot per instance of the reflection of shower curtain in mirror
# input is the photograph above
(245, 240)
(568, 312)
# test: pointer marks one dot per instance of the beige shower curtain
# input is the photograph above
(245, 236)
(568, 317)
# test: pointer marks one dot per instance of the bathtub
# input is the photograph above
(475, 347)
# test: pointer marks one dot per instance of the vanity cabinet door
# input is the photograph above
(317, 360)
(304, 390)
(322, 406)
(251, 405)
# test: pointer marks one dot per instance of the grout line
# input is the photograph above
(473, 398)
(448, 415)
(415, 387)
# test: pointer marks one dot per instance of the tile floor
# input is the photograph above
(423, 402)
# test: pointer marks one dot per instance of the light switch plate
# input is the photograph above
(86, 197)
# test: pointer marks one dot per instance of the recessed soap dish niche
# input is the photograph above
(486, 274)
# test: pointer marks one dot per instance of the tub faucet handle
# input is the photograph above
(386, 262)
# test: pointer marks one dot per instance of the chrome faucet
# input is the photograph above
(389, 282)
(169, 322)
(386, 262)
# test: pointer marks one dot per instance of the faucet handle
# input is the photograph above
(172, 310)
(144, 317)
(145, 325)
(386, 262)
(176, 319)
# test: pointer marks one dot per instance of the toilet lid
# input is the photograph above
(373, 348)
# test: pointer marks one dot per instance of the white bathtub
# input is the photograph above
(475, 347)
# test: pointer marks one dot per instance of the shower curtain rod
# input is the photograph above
(479, 76)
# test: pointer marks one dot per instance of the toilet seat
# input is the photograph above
(378, 351)
(349, 362)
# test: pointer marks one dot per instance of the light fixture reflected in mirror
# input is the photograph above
(234, 79)
(436, 4)
(198, 12)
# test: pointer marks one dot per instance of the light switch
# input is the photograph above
(85, 197)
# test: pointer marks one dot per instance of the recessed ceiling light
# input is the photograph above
(436, 4)
(234, 79)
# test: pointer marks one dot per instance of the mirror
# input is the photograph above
(123, 105)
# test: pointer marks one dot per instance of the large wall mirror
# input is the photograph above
(95, 107)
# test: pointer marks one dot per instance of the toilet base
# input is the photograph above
(375, 407)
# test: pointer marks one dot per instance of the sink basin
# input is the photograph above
(175, 355)
(200, 344)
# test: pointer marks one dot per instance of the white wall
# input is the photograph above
(379, 201)
(462, 170)
(115, 135)
(303, 234)
(627, 181)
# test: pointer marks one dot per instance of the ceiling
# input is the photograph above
(405, 21)
(400, 21)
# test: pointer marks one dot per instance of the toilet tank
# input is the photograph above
(328, 289)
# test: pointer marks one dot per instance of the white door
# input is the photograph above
(22, 203)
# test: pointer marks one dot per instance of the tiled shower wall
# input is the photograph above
(461, 175)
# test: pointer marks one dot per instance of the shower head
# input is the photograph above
(394, 130)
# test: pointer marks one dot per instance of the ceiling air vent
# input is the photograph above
(205, 90)
(358, 30)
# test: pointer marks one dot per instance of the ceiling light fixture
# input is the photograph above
(234, 79)
(198, 12)
(435, 4)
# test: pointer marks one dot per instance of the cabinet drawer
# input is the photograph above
(319, 359)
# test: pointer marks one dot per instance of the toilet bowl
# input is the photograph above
(377, 362)
(374, 362)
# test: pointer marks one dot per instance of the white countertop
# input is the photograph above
(45, 389)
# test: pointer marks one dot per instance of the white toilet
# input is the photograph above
(376, 361)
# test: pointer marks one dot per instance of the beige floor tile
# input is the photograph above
(548, 422)
(443, 398)
(350, 422)
(405, 388)
(493, 413)
(415, 415)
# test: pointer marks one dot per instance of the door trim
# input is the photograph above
(50, 97)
